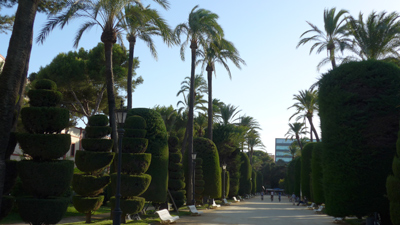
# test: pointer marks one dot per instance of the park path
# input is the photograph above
(255, 211)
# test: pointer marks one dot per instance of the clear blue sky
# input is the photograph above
(266, 34)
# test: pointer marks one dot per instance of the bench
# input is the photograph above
(194, 211)
(320, 208)
(235, 200)
(312, 206)
(225, 202)
(165, 217)
(240, 198)
(214, 205)
(338, 219)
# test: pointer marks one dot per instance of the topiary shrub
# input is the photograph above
(98, 121)
(42, 211)
(10, 176)
(97, 145)
(135, 133)
(132, 205)
(97, 132)
(199, 182)
(131, 185)
(44, 146)
(297, 176)
(88, 185)
(305, 173)
(207, 151)
(48, 120)
(7, 204)
(135, 163)
(44, 98)
(317, 174)
(134, 145)
(45, 84)
(253, 182)
(260, 181)
(158, 147)
(176, 183)
(89, 162)
(175, 157)
(87, 205)
(393, 187)
(135, 121)
(359, 121)
(245, 175)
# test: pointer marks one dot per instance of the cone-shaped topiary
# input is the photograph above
(297, 176)
(317, 174)
(393, 187)
(176, 183)
(44, 177)
(245, 175)
(305, 179)
(199, 181)
(259, 181)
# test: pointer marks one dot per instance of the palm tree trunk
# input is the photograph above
(110, 92)
(193, 47)
(332, 57)
(132, 42)
(18, 55)
(210, 103)
(299, 142)
(313, 128)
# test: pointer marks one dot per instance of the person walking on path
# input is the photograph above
(279, 196)
(262, 195)
(272, 196)
(293, 198)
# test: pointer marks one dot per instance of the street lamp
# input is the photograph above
(120, 115)
(223, 186)
(194, 164)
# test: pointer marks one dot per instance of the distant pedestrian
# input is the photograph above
(279, 197)
(272, 196)
(293, 198)
(262, 195)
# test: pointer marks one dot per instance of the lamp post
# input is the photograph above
(194, 164)
(223, 182)
(120, 116)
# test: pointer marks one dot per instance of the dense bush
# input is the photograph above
(98, 121)
(45, 84)
(305, 179)
(132, 185)
(44, 146)
(393, 187)
(158, 147)
(7, 204)
(10, 176)
(359, 122)
(253, 182)
(97, 145)
(135, 133)
(135, 163)
(97, 132)
(135, 121)
(90, 162)
(87, 204)
(207, 151)
(41, 120)
(317, 174)
(260, 181)
(46, 178)
(297, 176)
(134, 145)
(88, 185)
(245, 175)
(175, 157)
(129, 206)
(44, 98)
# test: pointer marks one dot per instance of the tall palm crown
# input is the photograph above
(332, 39)
(295, 131)
(376, 38)
(306, 104)
(201, 26)
(253, 140)
(228, 113)
(217, 51)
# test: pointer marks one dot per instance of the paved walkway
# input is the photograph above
(254, 211)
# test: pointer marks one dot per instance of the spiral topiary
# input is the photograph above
(176, 183)
(199, 181)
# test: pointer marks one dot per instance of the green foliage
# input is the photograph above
(158, 147)
(305, 173)
(42, 211)
(393, 187)
(44, 98)
(97, 132)
(98, 121)
(44, 146)
(175, 167)
(259, 181)
(173, 142)
(7, 204)
(199, 181)
(97, 145)
(41, 120)
(134, 133)
(90, 162)
(134, 145)
(131, 185)
(43, 179)
(290, 178)
(135, 122)
(87, 204)
(132, 205)
(359, 121)
(245, 175)
(10, 176)
(88, 185)
(176, 175)
(135, 163)
(207, 151)
(176, 184)
(395, 213)
(175, 157)
(396, 167)
(317, 174)
(297, 176)
(45, 84)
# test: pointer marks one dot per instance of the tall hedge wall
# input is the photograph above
(305, 179)
(297, 176)
(245, 174)
(207, 151)
(289, 178)
(158, 147)
(317, 174)
(253, 182)
(393, 187)
(259, 181)
(359, 122)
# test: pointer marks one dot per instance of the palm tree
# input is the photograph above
(217, 51)
(295, 131)
(294, 149)
(253, 140)
(228, 112)
(306, 104)
(200, 87)
(332, 38)
(143, 24)
(200, 123)
(376, 38)
(201, 26)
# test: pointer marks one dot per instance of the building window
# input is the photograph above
(72, 149)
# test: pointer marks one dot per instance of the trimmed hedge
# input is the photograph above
(245, 175)
(173, 142)
(135, 122)
(260, 181)
(97, 145)
(44, 146)
(10, 176)
(41, 120)
(45, 84)
(175, 157)
(132, 205)
(158, 147)
(87, 204)
(176, 175)
(87, 185)
(131, 185)
(42, 211)
(97, 132)
(46, 179)
(305, 173)
(207, 151)
(359, 121)
(176, 167)
(89, 162)
(317, 174)
(393, 187)
(254, 182)
(135, 133)
(297, 176)
(135, 163)
(176, 184)
(134, 145)
(98, 121)
(44, 98)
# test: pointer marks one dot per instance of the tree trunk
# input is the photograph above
(132, 42)
(88, 217)
(299, 142)
(313, 128)
(18, 54)
(332, 57)
(210, 102)
(110, 93)
(193, 47)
